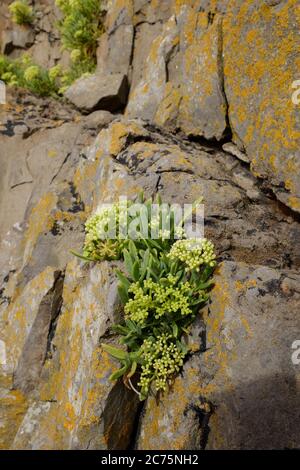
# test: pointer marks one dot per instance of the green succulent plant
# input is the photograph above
(21, 12)
(23, 73)
(80, 29)
(162, 287)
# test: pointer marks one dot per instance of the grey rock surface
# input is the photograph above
(209, 114)
(243, 390)
(17, 38)
(108, 92)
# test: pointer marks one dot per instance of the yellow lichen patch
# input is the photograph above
(102, 365)
(78, 377)
(187, 36)
(162, 425)
(13, 406)
(260, 46)
(153, 54)
(147, 95)
(167, 111)
(84, 176)
(117, 135)
(70, 417)
(294, 203)
(77, 118)
(115, 8)
(180, 3)
(21, 313)
(202, 107)
(61, 384)
(221, 295)
(52, 153)
(246, 325)
(38, 221)
(239, 285)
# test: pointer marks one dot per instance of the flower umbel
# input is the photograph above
(103, 231)
(154, 300)
(21, 12)
(32, 73)
(193, 253)
(162, 359)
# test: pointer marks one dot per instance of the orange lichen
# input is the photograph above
(260, 44)
(38, 221)
(13, 407)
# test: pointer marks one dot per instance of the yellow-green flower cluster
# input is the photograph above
(137, 309)
(32, 73)
(103, 229)
(21, 12)
(193, 253)
(80, 28)
(162, 359)
(156, 299)
(75, 55)
(55, 72)
(24, 73)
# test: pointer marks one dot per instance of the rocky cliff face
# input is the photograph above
(190, 98)
(42, 41)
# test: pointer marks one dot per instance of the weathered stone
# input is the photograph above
(4, 22)
(99, 92)
(42, 38)
(115, 50)
(261, 44)
(21, 315)
(98, 120)
(182, 81)
(13, 406)
(42, 51)
(19, 37)
(38, 163)
(152, 11)
(87, 410)
(248, 371)
(178, 420)
(38, 201)
(242, 391)
(145, 34)
(120, 12)
(234, 150)
(29, 424)
(238, 387)
(202, 109)
(34, 352)
(145, 98)
(127, 157)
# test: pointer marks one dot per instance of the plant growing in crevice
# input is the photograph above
(21, 12)
(22, 72)
(165, 283)
(80, 29)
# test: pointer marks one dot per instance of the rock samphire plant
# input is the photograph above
(21, 12)
(164, 284)
(22, 72)
(80, 29)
